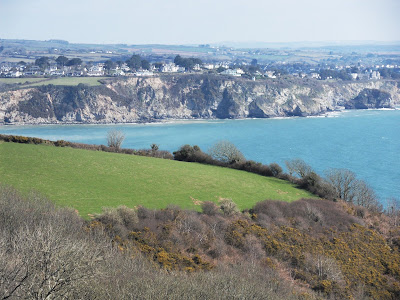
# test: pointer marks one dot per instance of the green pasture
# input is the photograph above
(70, 81)
(21, 80)
(91, 81)
(89, 180)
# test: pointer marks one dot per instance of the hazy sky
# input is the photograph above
(201, 21)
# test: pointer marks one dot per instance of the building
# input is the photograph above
(231, 72)
(354, 76)
(144, 73)
(270, 74)
(169, 68)
(375, 75)
(208, 66)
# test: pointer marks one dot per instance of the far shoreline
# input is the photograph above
(328, 114)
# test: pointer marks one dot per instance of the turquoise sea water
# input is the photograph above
(366, 142)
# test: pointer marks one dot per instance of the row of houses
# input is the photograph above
(367, 75)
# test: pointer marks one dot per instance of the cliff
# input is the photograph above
(188, 97)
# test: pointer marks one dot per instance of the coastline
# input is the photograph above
(329, 114)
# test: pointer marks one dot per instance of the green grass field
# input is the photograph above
(21, 80)
(29, 82)
(89, 180)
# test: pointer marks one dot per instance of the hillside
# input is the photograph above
(308, 249)
(90, 180)
(188, 96)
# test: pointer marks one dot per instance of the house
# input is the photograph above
(169, 68)
(117, 72)
(315, 76)
(14, 74)
(125, 68)
(95, 73)
(231, 72)
(208, 66)
(375, 75)
(57, 73)
(364, 76)
(144, 73)
(31, 73)
(354, 76)
(270, 74)
(34, 68)
(196, 67)
(96, 70)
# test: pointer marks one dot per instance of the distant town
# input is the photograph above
(20, 59)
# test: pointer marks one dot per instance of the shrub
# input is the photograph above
(209, 208)
(228, 207)
(61, 143)
(275, 169)
(299, 167)
(115, 138)
(226, 152)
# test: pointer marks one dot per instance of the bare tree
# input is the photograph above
(393, 210)
(365, 196)
(299, 167)
(226, 152)
(343, 181)
(115, 138)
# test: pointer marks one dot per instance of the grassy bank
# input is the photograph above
(69, 81)
(89, 180)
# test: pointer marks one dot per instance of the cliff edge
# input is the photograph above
(147, 99)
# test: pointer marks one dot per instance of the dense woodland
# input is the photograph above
(342, 247)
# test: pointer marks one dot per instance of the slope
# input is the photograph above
(89, 180)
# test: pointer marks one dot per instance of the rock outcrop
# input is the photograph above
(138, 99)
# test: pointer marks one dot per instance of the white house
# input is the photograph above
(196, 67)
(354, 76)
(171, 68)
(208, 66)
(14, 74)
(57, 73)
(375, 75)
(231, 72)
(144, 73)
(270, 74)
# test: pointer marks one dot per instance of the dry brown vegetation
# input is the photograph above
(308, 249)
(51, 253)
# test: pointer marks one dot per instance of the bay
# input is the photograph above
(366, 142)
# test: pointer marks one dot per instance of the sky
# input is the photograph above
(200, 21)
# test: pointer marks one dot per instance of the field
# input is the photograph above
(89, 180)
(29, 82)
(21, 80)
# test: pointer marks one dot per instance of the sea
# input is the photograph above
(366, 142)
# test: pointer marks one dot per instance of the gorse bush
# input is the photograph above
(319, 241)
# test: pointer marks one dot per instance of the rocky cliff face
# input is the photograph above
(190, 96)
